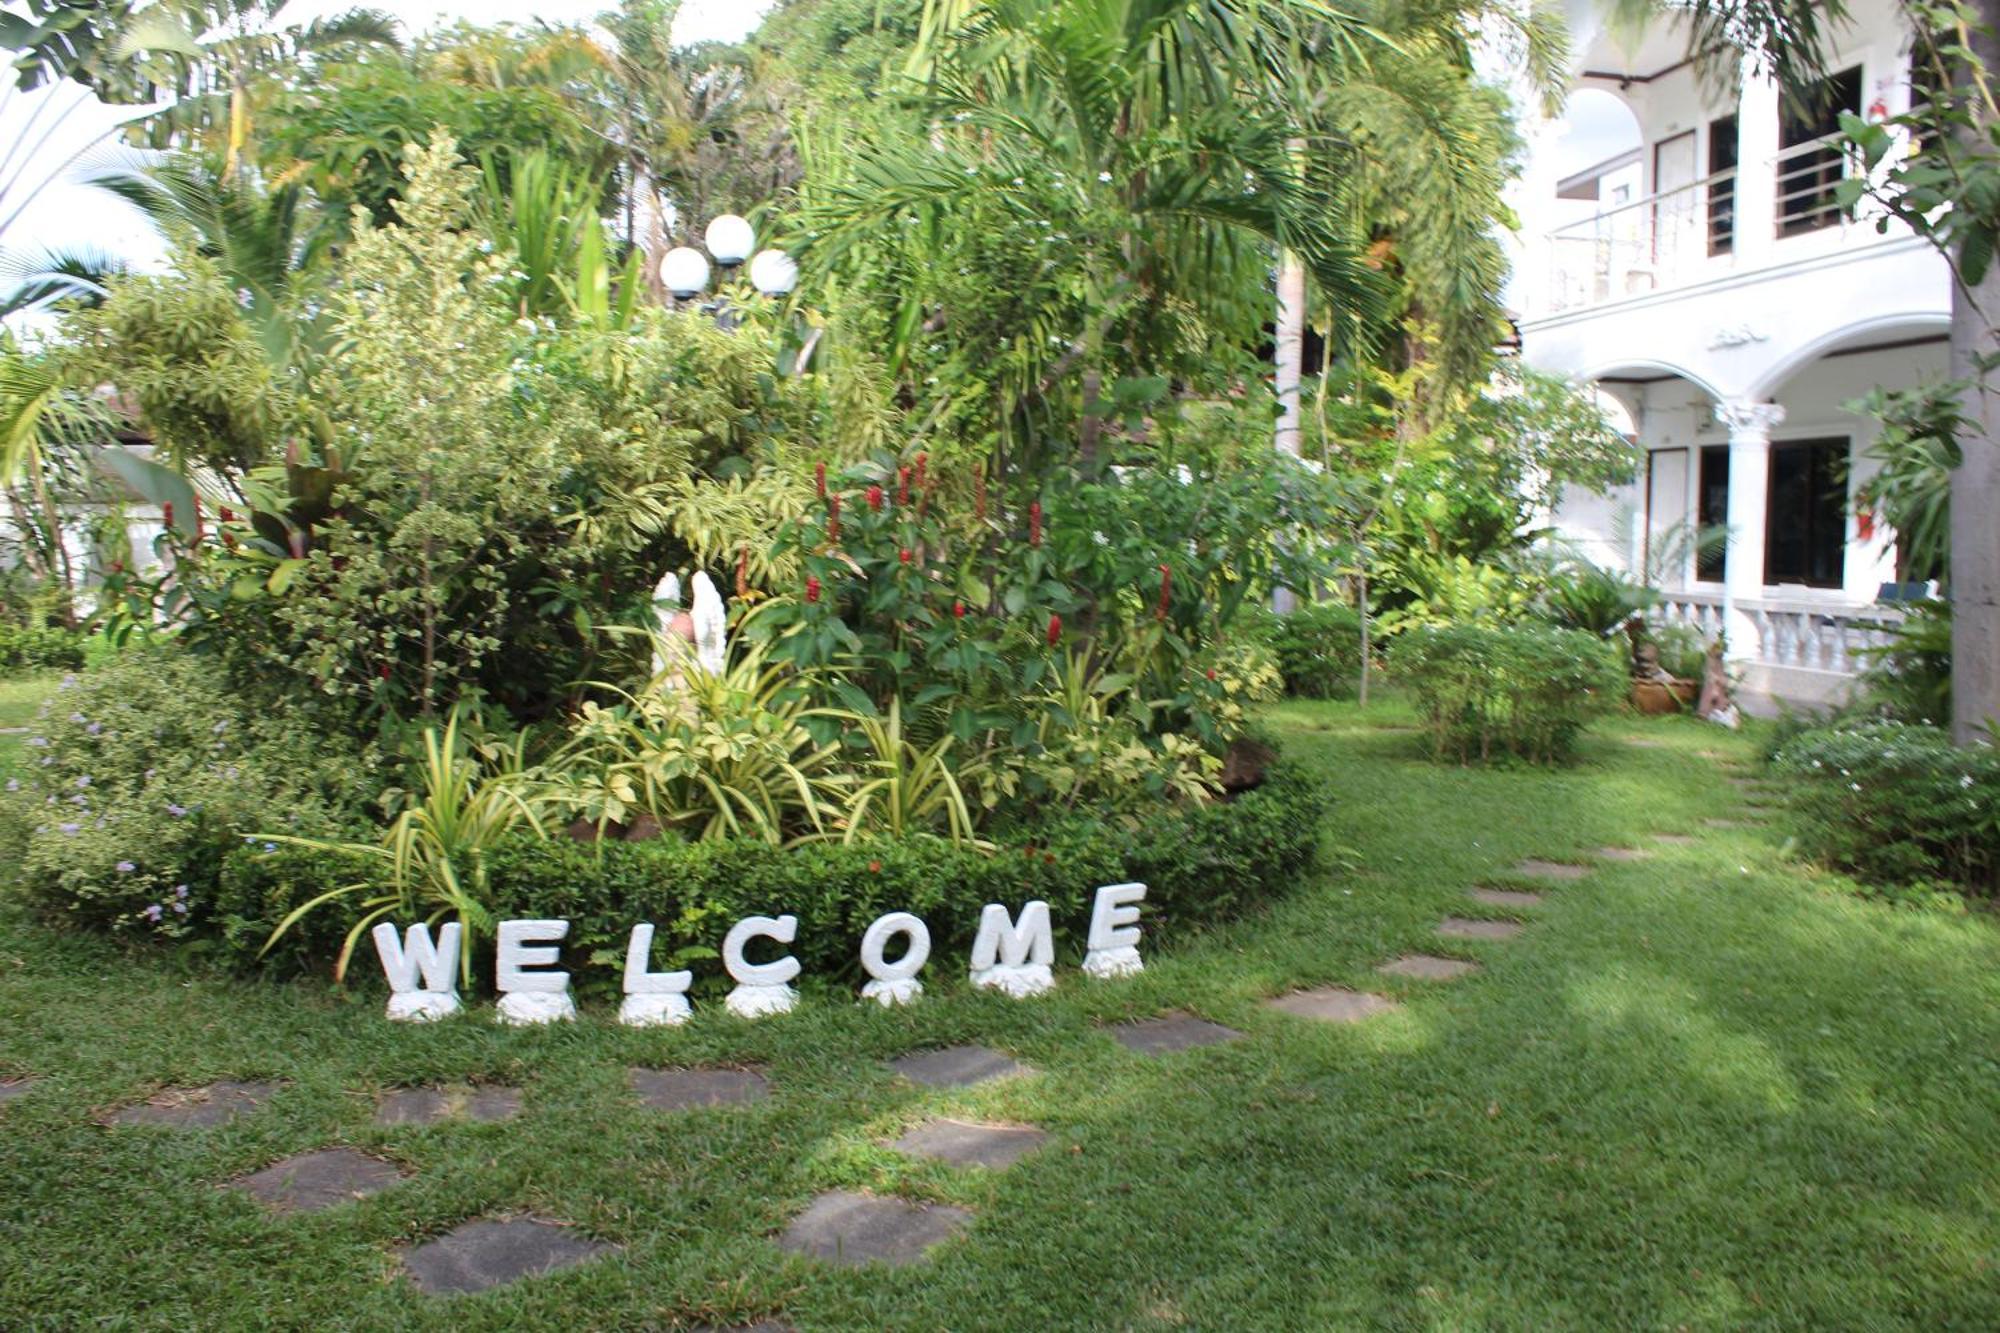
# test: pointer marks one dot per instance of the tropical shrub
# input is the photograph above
(29, 648)
(144, 773)
(1583, 596)
(1896, 804)
(1909, 678)
(1202, 864)
(1522, 690)
(1318, 646)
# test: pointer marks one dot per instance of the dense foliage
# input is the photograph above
(1522, 690)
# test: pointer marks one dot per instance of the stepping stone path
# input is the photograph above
(1428, 967)
(1619, 854)
(1507, 898)
(845, 1227)
(1730, 823)
(195, 1108)
(1675, 839)
(690, 1089)
(1332, 1004)
(957, 1066)
(961, 1143)
(483, 1254)
(1647, 744)
(1459, 928)
(10, 1088)
(316, 1180)
(426, 1106)
(1533, 868)
(1173, 1032)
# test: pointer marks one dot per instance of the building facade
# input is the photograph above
(1682, 250)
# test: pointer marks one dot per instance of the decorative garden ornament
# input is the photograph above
(531, 998)
(1014, 957)
(1112, 947)
(711, 626)
(761, 988)
(422, 977)
(652, 999)
(894, 983)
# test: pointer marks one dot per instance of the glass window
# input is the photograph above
(1805, 527)
(1812, 161)
(1711, 559)
(1722, 188)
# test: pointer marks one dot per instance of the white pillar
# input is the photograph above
(1750, 425)
(1756, 168)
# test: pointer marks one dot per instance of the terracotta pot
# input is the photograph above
(1654, 697)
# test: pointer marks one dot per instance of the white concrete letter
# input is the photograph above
(652, 999)
(1014, 956)
(529, 998)
(894, 983)
(423, 979)
(1112, 949)
(761, 988)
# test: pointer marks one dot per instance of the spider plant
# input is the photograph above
(434, 854)
(906, 787)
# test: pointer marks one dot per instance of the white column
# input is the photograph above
(1756, 170)
(1750, 425)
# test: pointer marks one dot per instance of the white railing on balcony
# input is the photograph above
(1649, 244)
(1805, 179)
(1790, 633)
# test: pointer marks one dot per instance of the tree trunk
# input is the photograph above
(1291, 349)
(1975, 486)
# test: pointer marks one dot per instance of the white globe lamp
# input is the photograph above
(730, 239)
(773, 272)
(683, 272)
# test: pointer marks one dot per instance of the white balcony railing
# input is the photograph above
(1790, 633)
(1678, 236)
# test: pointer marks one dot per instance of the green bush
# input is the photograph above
(140, 778)
(1896, 804)
(1524, 690)
(1201, 865)
(37, 648)
(1318, 647)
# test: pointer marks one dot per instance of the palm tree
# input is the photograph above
(1144, 137)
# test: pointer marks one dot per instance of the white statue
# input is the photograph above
(711, 627)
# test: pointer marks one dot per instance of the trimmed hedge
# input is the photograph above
(1319, 649)
(1896, 805)
(1202, 865)
(40, 649)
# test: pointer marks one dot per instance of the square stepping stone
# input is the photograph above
(1730, 823)
(1460, 928)
(1507, 898)
(692, 1089)
(957, 1066)
(1332, 1004)
(485, 1253)
(1675, 839)
(962, 1143)
(1428, 967)
(312, 1181)
(1534, 868)
(195, 1108)
(1170, 1033)
(426, 1106)
(1646, 743)
(10, 1088)
(1619, 854)
(845, 1227)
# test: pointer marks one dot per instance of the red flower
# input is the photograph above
(904, 555)
(117, 566)
(1211, 673)
(902, 485)
(383, 671)
(923, 463)
(812, 588)
(875, 498)
(1166, 590)
(229, 540)
(819, 479)
(874, 867)
(1055, 630)
(1035, 523)
(833, 517)
(197, 518)
(228, 515)
(958, 610)
(167, 513)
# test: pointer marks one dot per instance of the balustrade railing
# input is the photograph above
(1794, 634)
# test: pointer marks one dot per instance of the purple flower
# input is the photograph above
(78, 717)
(94, 728)
(270, 846)
(80, 800)
(39, 742)
(126, 867)
(83, 781)
(221, 726)
(180, 890)
(154, 912)
(181, 908)
(13, 784)
(70, 829)
(176, 810)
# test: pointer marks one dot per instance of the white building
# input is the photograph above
(1681, 250)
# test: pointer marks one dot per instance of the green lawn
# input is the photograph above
(1707, 1089)
(20, 699)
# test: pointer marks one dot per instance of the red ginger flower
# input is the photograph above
(923, 462)
(875, 498)
(1035, 523)
(904, 555)
(819, 479)
(902, 485)
(812, 588)
(958, 610)
(833, 517)
(1055, 630)
(167, 513)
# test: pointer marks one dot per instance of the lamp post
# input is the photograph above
(685, 272)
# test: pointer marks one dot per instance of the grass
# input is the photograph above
(20, 699)
(1709, 1089)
